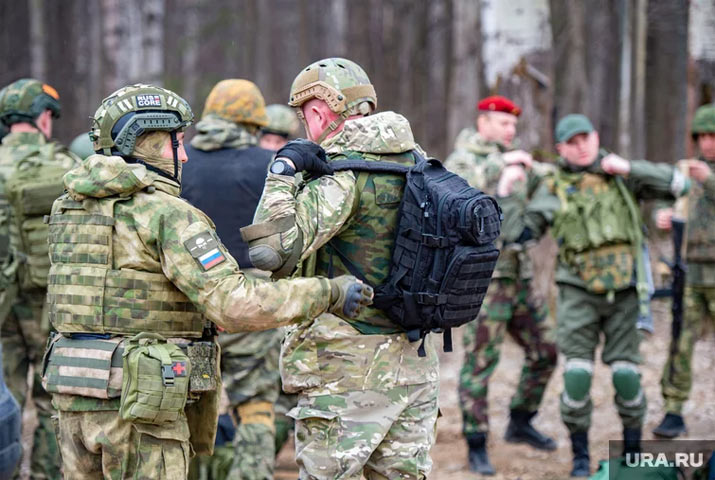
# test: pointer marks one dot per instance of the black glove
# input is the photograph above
(348, 296)
(306, 156)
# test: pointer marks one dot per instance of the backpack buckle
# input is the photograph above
(167, 375)
(434, 241)
(431, 299)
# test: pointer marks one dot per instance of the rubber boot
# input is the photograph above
(581, 460)
(671, 426)
(478, 457)
(520, 430)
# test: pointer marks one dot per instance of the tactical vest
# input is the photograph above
(596, 229)
(368, 238)
(87, 294)
(701, 228)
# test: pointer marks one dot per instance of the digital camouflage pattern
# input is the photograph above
(25, 329)
(214, 133)
(238, 101)
(511, 306)
(337, 437)
(700, 253)
(282, 120)
(329, 360)
(150, 231)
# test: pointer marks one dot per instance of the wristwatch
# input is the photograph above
(281, 167)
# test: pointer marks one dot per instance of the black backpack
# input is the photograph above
(443, 255)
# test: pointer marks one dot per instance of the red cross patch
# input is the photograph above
(179, 369)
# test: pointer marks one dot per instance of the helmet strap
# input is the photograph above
(175, 152)
(333, 126)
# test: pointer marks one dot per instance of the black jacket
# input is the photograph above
(226, 184)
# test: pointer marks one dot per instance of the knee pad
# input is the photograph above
(577, 381)
(626, 380)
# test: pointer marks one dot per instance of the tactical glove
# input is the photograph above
(348, 296)
(306, 156)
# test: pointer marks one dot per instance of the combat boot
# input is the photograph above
(520, 430)
(581, 460)
(478, 457)
(631, 441)
(671, 426)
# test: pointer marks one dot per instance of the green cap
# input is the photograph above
(572, 125)
(704, 120)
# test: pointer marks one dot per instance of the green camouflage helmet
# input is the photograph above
(134, 110)
(282, 121)
(82, 146)
(342, 84)
(704, 120)
(25, 99)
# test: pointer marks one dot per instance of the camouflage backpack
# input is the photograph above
(31, 188)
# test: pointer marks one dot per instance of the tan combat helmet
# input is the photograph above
(238, 101)
(342, 84)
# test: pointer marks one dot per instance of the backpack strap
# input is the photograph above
(369, 166)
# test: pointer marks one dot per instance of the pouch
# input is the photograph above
(156, 380)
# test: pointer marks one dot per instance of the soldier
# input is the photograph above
(699, 297)
(590, 203)
(28, 108)
(224, 180)
(367, 402)
(511, 303)
(133, 265)
(283, 126)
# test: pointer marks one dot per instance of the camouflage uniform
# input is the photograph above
(699, 297)
(592, 222)
(511, 303)
(367, 402)
(25, 329)
(155, 278)
(226, 141)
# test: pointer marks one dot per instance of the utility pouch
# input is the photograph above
(91, 367)
(156, 380)
(605, 269)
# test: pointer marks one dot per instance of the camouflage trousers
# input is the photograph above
(510, 306)
(249, 364)
(582, 317)
(99, 444)
(24, 334)
(379, 434)
(677, 380)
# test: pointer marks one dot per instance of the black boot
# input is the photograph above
(478, 458)
(631, 441)
(520, 430)
(671, 426)
(579, 446)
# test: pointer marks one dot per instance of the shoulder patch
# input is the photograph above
(204, 248)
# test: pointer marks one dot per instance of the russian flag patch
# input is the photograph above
(205, 249)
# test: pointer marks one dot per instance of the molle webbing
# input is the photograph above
(86, 295)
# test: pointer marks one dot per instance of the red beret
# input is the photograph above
(497, 103)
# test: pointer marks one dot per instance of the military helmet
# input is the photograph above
(704, 120)
(134, 110)
(82, 146)
(25, 99)
(342, 84)
(237, 100)
(282, 121)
